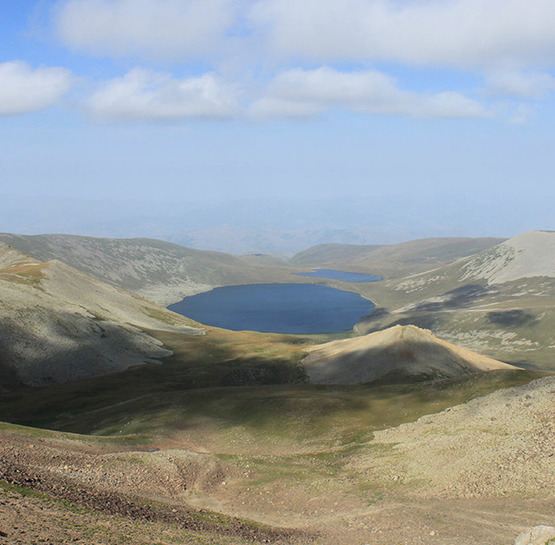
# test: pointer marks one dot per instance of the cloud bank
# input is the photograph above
(169, 29)
(460, 33)
(289, 57)
(455, 33)
(534, 85)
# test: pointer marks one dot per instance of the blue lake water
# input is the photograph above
(277, 308)
(341, 275)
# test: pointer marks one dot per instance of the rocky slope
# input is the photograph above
(478, 472)
(58, 324)
(527, 255)
(400, 353)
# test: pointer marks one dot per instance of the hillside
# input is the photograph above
(165, 273)
(159, 271)
(397, 354)
(527, 255)
(306, 463)
(512, 433)
(325, 254)
(58, 324)
(500, 302)
(394, 260)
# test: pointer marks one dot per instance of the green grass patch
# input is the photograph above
(23, 491)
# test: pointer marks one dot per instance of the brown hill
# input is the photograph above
(397, 354)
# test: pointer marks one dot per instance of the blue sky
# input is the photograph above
(439, 113)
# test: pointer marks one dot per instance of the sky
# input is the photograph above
(200, 120)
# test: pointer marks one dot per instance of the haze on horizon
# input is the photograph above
(273, 125)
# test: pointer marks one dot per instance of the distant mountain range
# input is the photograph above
(271, 226)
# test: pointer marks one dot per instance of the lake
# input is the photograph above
(276, 308)
(341, 275)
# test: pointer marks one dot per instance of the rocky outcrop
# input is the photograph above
(539, 535)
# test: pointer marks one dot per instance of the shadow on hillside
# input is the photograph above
(423, 314)
(8, 378)
(201, 363)
(511, 318)
(55, 347)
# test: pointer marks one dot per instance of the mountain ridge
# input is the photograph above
(160, 271)
(395, 260)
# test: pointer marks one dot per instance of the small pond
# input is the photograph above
(277, 308)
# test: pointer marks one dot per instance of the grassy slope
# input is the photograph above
(156, 401)
(323, 254)
(294, 442)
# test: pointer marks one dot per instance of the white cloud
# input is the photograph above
(298, 93)
(514, 83)
(145, 95)
(24, 89)
(466, 33)
(152, 28)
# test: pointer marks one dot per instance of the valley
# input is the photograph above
(125, 422)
